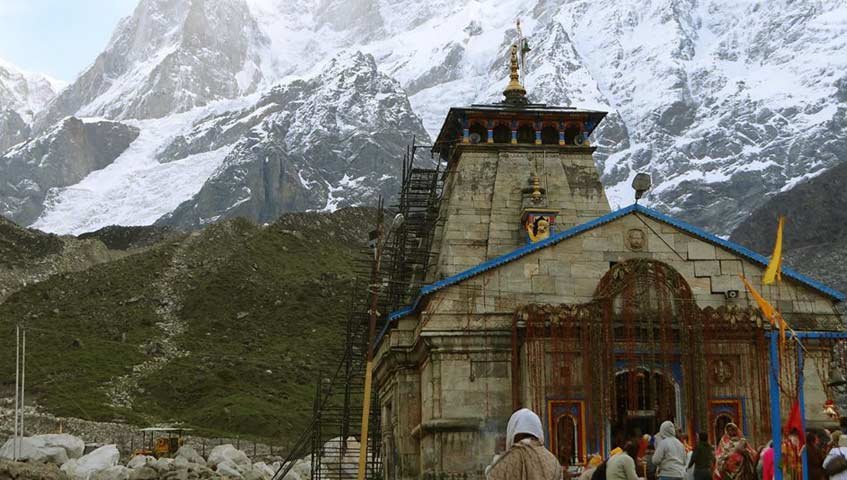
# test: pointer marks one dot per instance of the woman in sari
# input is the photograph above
(736, 459)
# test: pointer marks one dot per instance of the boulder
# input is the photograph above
(143, 473)
(163, 464)
(73, 446)
(30, 471)
(260, 471)
(139, 461)
(118, 472)
(227, 452)
(302, 468)
(190, 454)
(88, 465)
(178, 474)
(31, 450)
(345, 465)
(24, 449)
(228, 468)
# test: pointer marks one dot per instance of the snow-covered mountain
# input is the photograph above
(321, 143)
(22, 94)
(168, 57)
(724, 101)
(25, 93)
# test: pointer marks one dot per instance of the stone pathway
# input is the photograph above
(164, 347)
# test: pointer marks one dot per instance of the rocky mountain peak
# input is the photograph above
(170, 56)
(24, 93)
(320, 143)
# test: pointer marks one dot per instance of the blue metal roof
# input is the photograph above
(574, 231)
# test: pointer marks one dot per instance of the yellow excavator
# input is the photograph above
(161, 442)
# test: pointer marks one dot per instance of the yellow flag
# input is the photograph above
(772, 273)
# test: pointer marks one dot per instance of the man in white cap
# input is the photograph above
(525, 457)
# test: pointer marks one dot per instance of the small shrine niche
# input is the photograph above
(537, 219)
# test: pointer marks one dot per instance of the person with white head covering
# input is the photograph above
(525, 457)
(669, 456)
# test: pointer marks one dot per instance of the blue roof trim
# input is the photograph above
(571, 232)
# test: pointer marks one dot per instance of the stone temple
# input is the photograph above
(605, 323)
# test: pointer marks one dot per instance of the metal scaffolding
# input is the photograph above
(330, 444)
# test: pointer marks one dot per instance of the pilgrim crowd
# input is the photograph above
(668, 456)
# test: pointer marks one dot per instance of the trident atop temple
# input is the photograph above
(515, 92)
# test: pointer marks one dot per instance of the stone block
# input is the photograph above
(530, 269)
(503, 234)
(785, 306)
(707, 268)
(565, 290)
(490, 369)
(589, 270)
(722, 283)
(731, 267)
(595, 244)
(557, 268)
(701, 251)
(543, 284)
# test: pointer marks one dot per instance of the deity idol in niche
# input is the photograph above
(538, 228)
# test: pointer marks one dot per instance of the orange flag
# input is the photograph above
(768, 311)
(772, 273)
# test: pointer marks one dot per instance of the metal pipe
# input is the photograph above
(372, 314)
(23, 381)
(17, 389)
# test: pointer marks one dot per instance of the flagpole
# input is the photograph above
(17, 389)
(801, 399)
(776, 423)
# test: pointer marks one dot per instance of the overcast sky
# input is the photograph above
(58, 37)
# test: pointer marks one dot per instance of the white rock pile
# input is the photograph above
(224, 462)
(53, 448)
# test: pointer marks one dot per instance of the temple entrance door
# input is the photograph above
(643, 401)
(566, 440)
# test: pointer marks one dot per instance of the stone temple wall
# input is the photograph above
(483, 200)
(445, 373)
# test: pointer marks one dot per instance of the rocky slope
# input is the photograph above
(29, 256)
(815, 232)
(147, 338)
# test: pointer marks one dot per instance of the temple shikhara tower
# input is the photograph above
(605, 323)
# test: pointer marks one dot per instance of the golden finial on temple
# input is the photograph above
(515, 92)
